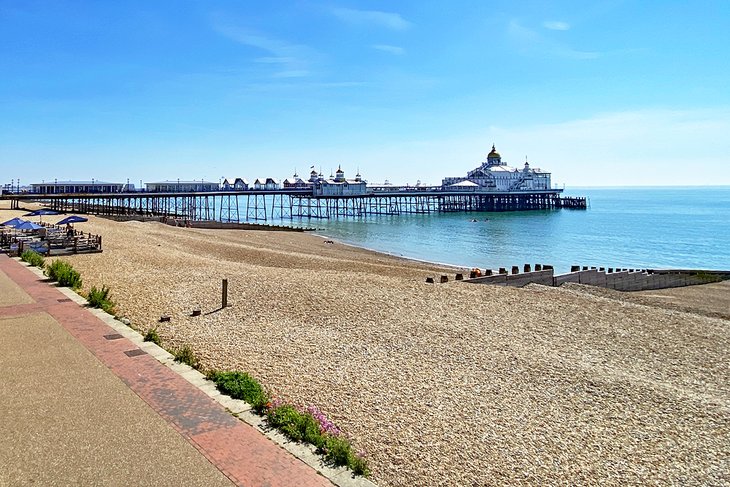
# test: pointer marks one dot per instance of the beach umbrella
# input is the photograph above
(42, 211)
(28, 226)
(13, 222)
(72, 219)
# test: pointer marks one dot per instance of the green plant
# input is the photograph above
(310, 426)
(152, 336)
(33, 258)
(240, 385)
(186, 355)
(296, 425)
(63, 272)
(338, 450)
(99, 298)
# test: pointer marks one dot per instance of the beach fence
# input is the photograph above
(49, 240)
(619, 279)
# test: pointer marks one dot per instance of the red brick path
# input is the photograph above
(238, 450)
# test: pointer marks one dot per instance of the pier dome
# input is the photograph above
(493, 158)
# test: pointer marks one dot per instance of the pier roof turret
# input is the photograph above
(493, 153)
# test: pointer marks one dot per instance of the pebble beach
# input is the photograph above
(442, 384)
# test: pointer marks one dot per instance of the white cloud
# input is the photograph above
(556, 25)
(391, 49)
(293, 59)
(388, 20)
(529, 41)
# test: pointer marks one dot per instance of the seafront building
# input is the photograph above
(495, 175)
(181, 186)
(92, 186)
(338, 185)
(234, 184)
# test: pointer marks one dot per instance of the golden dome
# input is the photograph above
(493, 153)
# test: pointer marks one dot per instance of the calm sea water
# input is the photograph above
(624, 227)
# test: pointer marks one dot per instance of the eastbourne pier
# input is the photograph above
(493, 186)
(262, 205)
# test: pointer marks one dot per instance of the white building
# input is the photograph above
(295, 182)
(495, 175)
(182, 186)
(78, 187)
(339, 185)
(268, 184)
(235, 184)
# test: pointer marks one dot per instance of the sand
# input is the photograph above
(445, 384)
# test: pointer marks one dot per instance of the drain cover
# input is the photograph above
(135, 352)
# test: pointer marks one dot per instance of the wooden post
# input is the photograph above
(224, 297)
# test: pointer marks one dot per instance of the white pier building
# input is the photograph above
(495, 175)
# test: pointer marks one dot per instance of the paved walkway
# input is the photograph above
(83, 405)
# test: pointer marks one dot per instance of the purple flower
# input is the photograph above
(325, 425)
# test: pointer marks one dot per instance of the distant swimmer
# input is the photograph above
(474, 220)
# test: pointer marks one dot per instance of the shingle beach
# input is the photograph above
(442, 384)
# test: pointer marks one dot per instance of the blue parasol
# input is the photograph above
(13, 222)
(28, 226)
(42, 211)
(72, 219)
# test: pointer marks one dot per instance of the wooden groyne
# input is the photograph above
(611, 278)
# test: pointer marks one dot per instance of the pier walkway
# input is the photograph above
(83, 405)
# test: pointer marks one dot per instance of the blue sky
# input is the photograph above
(598, 93)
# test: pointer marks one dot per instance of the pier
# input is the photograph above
(264, 205)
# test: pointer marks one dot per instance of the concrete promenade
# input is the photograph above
(83, 405)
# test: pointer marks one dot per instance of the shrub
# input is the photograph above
(240, 385)
(152, 336)
(99, 298)
(63, 272)
(338, 450)
(33, 258)
(186, 355)
(296, 425)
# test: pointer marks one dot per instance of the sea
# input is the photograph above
(631, 227)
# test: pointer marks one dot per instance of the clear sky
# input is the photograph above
(597, 92)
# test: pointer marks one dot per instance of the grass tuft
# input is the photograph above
(186, 355)
(152, 336)
(99, 298)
